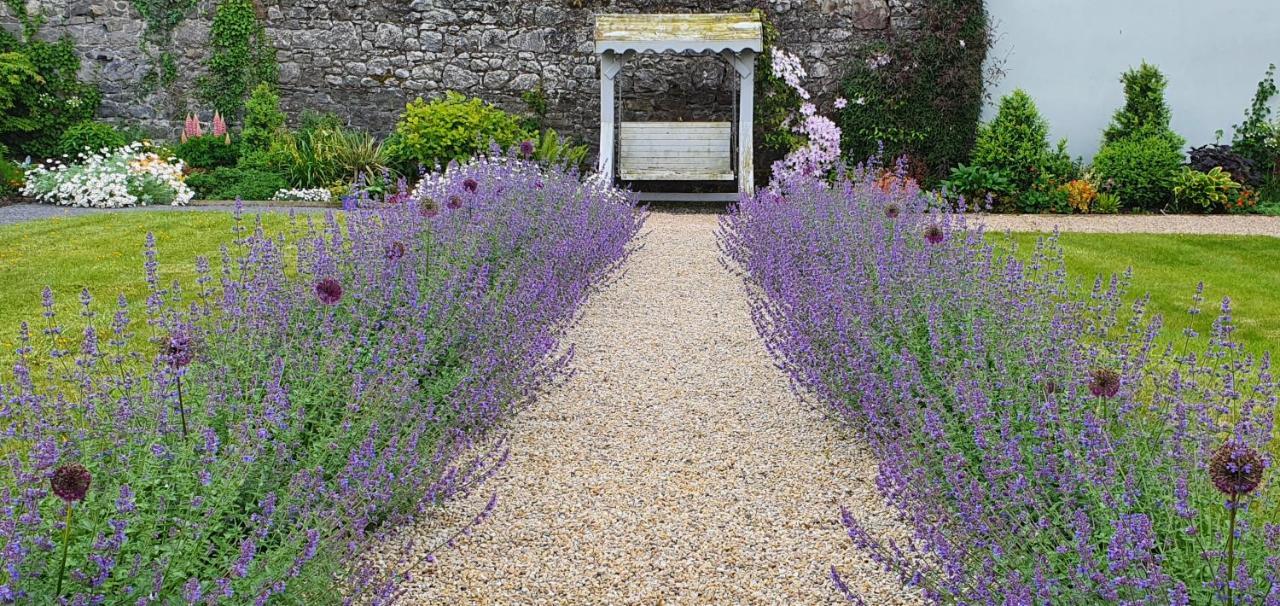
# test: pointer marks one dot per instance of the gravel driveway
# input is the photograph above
(19, 213)
(674, 467)
(1239, 225)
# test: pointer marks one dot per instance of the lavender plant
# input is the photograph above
(1046, 441)
(307, 397)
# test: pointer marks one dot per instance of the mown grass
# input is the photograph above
(104, 253)
(1168, 267)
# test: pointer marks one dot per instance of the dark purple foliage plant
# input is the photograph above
(1045, 440)
(335, 381)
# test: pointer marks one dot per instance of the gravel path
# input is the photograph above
(674, 467)
(1240, 225)
(19, 213)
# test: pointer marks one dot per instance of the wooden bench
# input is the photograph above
(676, 151)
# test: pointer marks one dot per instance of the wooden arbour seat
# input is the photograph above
(679, 151)
(676, 151)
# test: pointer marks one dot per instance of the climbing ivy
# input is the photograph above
(920, 94)
(242, 57)
(776, 102)
(162, 17)
(30, 23)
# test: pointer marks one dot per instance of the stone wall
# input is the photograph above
(364, 60)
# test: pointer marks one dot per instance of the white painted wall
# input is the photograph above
(1069, 54)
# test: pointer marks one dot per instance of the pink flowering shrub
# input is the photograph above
(821, 153)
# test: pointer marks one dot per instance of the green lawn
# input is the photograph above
(102, 252)
(1245, 268)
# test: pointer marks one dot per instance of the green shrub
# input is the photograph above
(93, 136)
(1203, 191)
(11, 178)
(1016, 143)
(233, 183)
(322, 155)
(1106, 204)
(1258, 138)
(920, 94)
(40, 95)
(1145, 111)
(208, 151)
(453, 128)
(977, 183)
(1140, 170)
(552, 149)
(263, 120)
(1047, 194)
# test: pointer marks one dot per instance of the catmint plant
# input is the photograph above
(1043, 438)
(315, 391)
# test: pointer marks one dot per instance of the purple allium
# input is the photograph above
(455, 202)
(934, 234)
(329, 291)
(71, 482)
(892, 210)
(526, 148)
(470, 184)
(1104, 383)
(1235, 469)
(178, 350)
(394, 251)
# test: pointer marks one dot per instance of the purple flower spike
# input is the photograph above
(329, 291)
(71, 482)
(1236, 469)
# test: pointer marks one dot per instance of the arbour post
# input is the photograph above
(744, 62)
(610, 65)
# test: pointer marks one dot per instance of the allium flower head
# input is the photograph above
(934, 234)
(394, 251)
(1050, 386)
(329, 291)
(178, 349)
(1104, 383)
(1235, 469)
(455, 202)
(892, 210)
(526, 148)
(71, 482)
(470, 185)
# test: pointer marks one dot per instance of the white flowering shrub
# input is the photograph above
(129, 176)
(314, 194)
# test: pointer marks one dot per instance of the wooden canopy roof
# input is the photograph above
(714, 32)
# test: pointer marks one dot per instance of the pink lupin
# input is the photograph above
(219, 125)
(193, 126)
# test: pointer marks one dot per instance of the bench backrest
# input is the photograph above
(676, 151)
